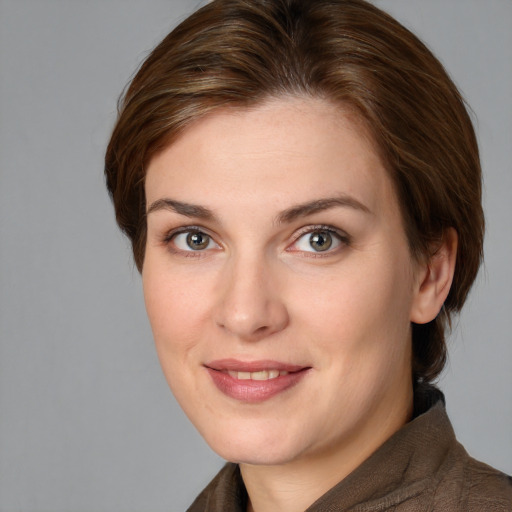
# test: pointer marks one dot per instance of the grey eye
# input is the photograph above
(320, 240)
(193, 241)
(198, 241)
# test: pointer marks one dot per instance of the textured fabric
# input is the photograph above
(421, 468)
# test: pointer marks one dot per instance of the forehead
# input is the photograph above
(286, 148)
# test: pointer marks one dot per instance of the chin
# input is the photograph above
(256, 456)
(253, 445)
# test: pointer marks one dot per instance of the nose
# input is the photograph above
(250, 305)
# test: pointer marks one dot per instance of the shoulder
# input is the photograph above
(472, 486)
(486, 488)
(456, 481)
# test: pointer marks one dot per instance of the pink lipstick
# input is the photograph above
(254, 381)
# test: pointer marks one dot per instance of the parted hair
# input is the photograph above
(238, 53)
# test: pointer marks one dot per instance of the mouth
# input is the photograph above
(254, 381)
(259, 375)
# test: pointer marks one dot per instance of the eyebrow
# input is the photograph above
(286, 216)
(186, 209)
(318, 205)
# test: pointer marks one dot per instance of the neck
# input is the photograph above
(295, 485)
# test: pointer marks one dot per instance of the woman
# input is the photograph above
(301, 186)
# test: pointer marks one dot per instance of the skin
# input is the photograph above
(259, 290)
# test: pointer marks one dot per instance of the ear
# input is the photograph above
(434, 280)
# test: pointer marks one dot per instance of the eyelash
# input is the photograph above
(169, 237)
(343, 238)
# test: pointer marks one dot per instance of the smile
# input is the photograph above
(260, 375)
(254, 382)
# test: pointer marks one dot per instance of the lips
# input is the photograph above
(254, 381)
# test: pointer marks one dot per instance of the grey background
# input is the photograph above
(86, 420)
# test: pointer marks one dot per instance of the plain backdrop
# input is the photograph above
(87, 422)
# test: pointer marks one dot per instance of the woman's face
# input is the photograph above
(279, 283)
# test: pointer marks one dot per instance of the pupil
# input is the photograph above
(320, 241)
(197, 241)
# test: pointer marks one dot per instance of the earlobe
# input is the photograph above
(435, 279)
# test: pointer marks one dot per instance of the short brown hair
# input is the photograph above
(240, 52)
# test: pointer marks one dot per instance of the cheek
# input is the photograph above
(175, 315)
(174, 308)
(361, 308)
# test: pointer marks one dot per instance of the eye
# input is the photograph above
(319, 240)
(193, 240)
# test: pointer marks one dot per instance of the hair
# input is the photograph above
(238, 53)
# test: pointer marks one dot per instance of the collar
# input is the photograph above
(406, 465)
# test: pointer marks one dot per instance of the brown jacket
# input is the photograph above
(421, 468)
